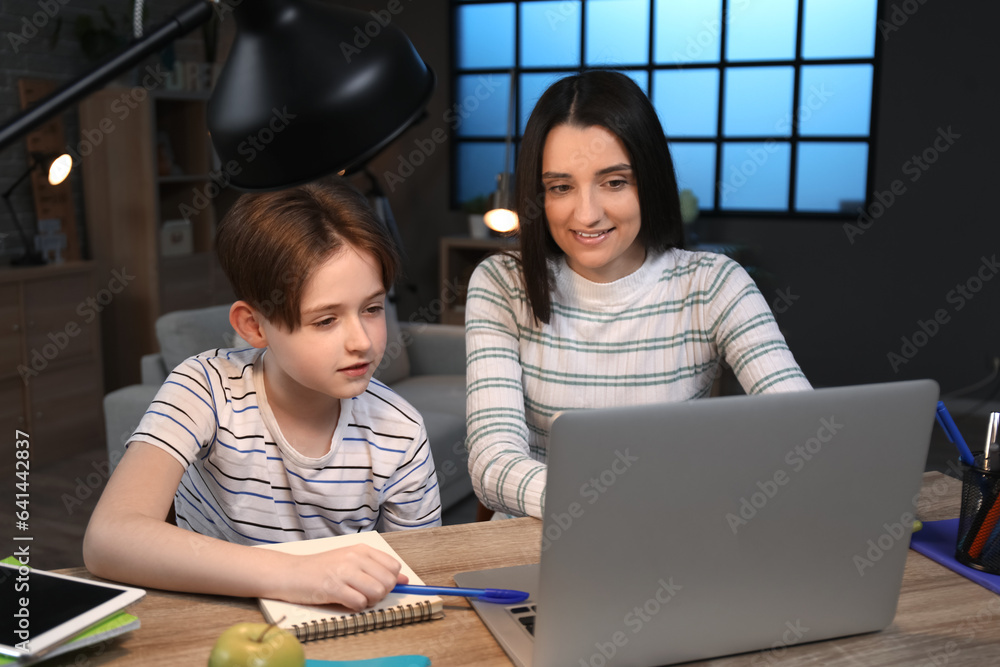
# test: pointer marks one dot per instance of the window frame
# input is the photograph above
(794, 138)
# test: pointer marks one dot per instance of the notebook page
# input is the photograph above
(300, 614)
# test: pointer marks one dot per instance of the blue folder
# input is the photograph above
(388, 661)
(937, 540)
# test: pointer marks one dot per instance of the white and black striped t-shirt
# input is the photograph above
(244, 483)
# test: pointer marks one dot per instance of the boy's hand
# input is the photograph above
(356, 577)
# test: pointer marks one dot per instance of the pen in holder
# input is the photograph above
(979, 519)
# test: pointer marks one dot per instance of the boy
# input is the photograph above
(288, 439)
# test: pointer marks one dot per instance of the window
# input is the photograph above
(767, 104)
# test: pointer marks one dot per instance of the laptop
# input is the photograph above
(685, 531)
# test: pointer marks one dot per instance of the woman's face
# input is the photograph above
(592, 202)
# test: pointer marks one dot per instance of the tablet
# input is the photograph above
(43, 609)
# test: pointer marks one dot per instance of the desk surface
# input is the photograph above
(942, 618)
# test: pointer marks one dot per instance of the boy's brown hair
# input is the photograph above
(269, 243)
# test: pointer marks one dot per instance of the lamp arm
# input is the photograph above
(13, 216)
(178, 24)
(20, 179)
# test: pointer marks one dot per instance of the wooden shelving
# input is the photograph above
(50, 357)
(460, 255)
(155, 166)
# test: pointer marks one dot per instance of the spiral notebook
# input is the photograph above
(309, 622)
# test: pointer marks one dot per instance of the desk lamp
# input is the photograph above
(58, 168)
(319, 89)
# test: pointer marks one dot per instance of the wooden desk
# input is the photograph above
(942, 619)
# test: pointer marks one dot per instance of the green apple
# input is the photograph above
(257, 645)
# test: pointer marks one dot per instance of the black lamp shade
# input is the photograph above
(276, 122)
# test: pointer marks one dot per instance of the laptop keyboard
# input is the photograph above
(525, 615)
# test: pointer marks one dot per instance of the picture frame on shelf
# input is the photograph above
(176, 238)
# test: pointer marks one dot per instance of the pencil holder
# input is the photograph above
(979, 521)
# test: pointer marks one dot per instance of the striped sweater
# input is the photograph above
(244, 483)
(657, 335)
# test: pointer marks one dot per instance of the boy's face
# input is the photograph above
(342, 336)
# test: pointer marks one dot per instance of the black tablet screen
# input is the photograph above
(50, 601)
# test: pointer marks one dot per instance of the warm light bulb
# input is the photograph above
(501, 220)
(60, 169)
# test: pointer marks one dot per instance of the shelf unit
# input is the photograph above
(460, 255)
(150, 161)
(50, 358)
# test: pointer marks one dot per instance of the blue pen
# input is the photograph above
(948, 424)
(495, 595)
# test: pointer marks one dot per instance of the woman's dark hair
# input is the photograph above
(614, 102)
(270, 243)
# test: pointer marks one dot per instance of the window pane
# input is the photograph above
(841, 29)
(694, 164)
(687, 101)
(831, 176)
(836, 100)
(486, 35)
(640, 77)
(532, 87)
(755, 175)
(481, 105)
(687, 32)
(478, 166)
(617, 32)
(550, 34)
(762, 30)
(758, 101)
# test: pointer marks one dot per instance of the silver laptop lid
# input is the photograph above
(690, 530)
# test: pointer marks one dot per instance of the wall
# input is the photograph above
(859, 290)
(849, 300)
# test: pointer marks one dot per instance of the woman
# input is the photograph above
(600, 307)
